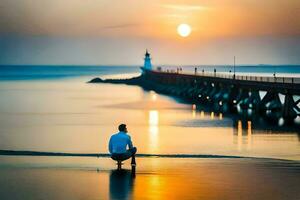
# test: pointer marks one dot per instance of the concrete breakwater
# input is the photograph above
(272, 100)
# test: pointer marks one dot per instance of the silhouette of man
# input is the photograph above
(118, 146)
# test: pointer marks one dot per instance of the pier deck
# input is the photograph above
(280, 84)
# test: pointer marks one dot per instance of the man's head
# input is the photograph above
(123, 128)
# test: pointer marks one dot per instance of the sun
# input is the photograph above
(184, 30)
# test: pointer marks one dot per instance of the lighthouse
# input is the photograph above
(147, 61)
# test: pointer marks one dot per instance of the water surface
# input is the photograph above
(69, 115)
(53, 109)
(156, 178)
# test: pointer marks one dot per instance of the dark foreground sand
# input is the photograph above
(156, 178)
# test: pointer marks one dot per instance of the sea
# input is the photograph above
(54, 109)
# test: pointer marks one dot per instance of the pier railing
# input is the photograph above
(270, 79)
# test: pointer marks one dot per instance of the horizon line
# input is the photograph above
(159, 65)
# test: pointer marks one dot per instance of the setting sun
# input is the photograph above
(184, 30)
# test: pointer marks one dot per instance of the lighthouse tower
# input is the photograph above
(147, 61)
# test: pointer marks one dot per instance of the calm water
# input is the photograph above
(156, 178)
(51, 108)
(49, 72)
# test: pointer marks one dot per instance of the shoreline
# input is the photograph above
(107, 155)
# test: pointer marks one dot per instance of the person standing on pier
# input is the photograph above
(118, 144)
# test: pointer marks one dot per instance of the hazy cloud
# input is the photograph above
(185, 7)
(106, 32)
(121, 26)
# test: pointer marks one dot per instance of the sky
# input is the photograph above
(106, 32)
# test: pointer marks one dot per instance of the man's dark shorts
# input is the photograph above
(124, 156)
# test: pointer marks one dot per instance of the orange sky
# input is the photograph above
(213, 23)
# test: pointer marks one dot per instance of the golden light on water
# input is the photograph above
(221, 116)
(194, 114)
(212, 115)
(184, 30)
(249, 131)
(153, 129)
(202, 115)
(153, 118)
(153, 96)
(240, 135)
(194, 107)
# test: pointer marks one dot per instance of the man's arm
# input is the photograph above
(129, 142)
(110, 145)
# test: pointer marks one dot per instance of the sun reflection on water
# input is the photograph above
(212, 115)
(153, 118)
(220, 116)
(153, 96)
(202, 115)
(249, 135)
(240, 136)
(153, 129)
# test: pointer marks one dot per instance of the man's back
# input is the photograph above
(118, 143)
(118, 147)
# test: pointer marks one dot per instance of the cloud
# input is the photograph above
(120, 26)
(184, 7)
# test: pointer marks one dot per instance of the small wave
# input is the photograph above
(38, 153)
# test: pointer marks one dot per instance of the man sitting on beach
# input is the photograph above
(118, 146)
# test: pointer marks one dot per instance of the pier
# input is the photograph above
(271, 97)
(276, 98)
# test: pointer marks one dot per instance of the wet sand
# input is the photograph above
(26, 177)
